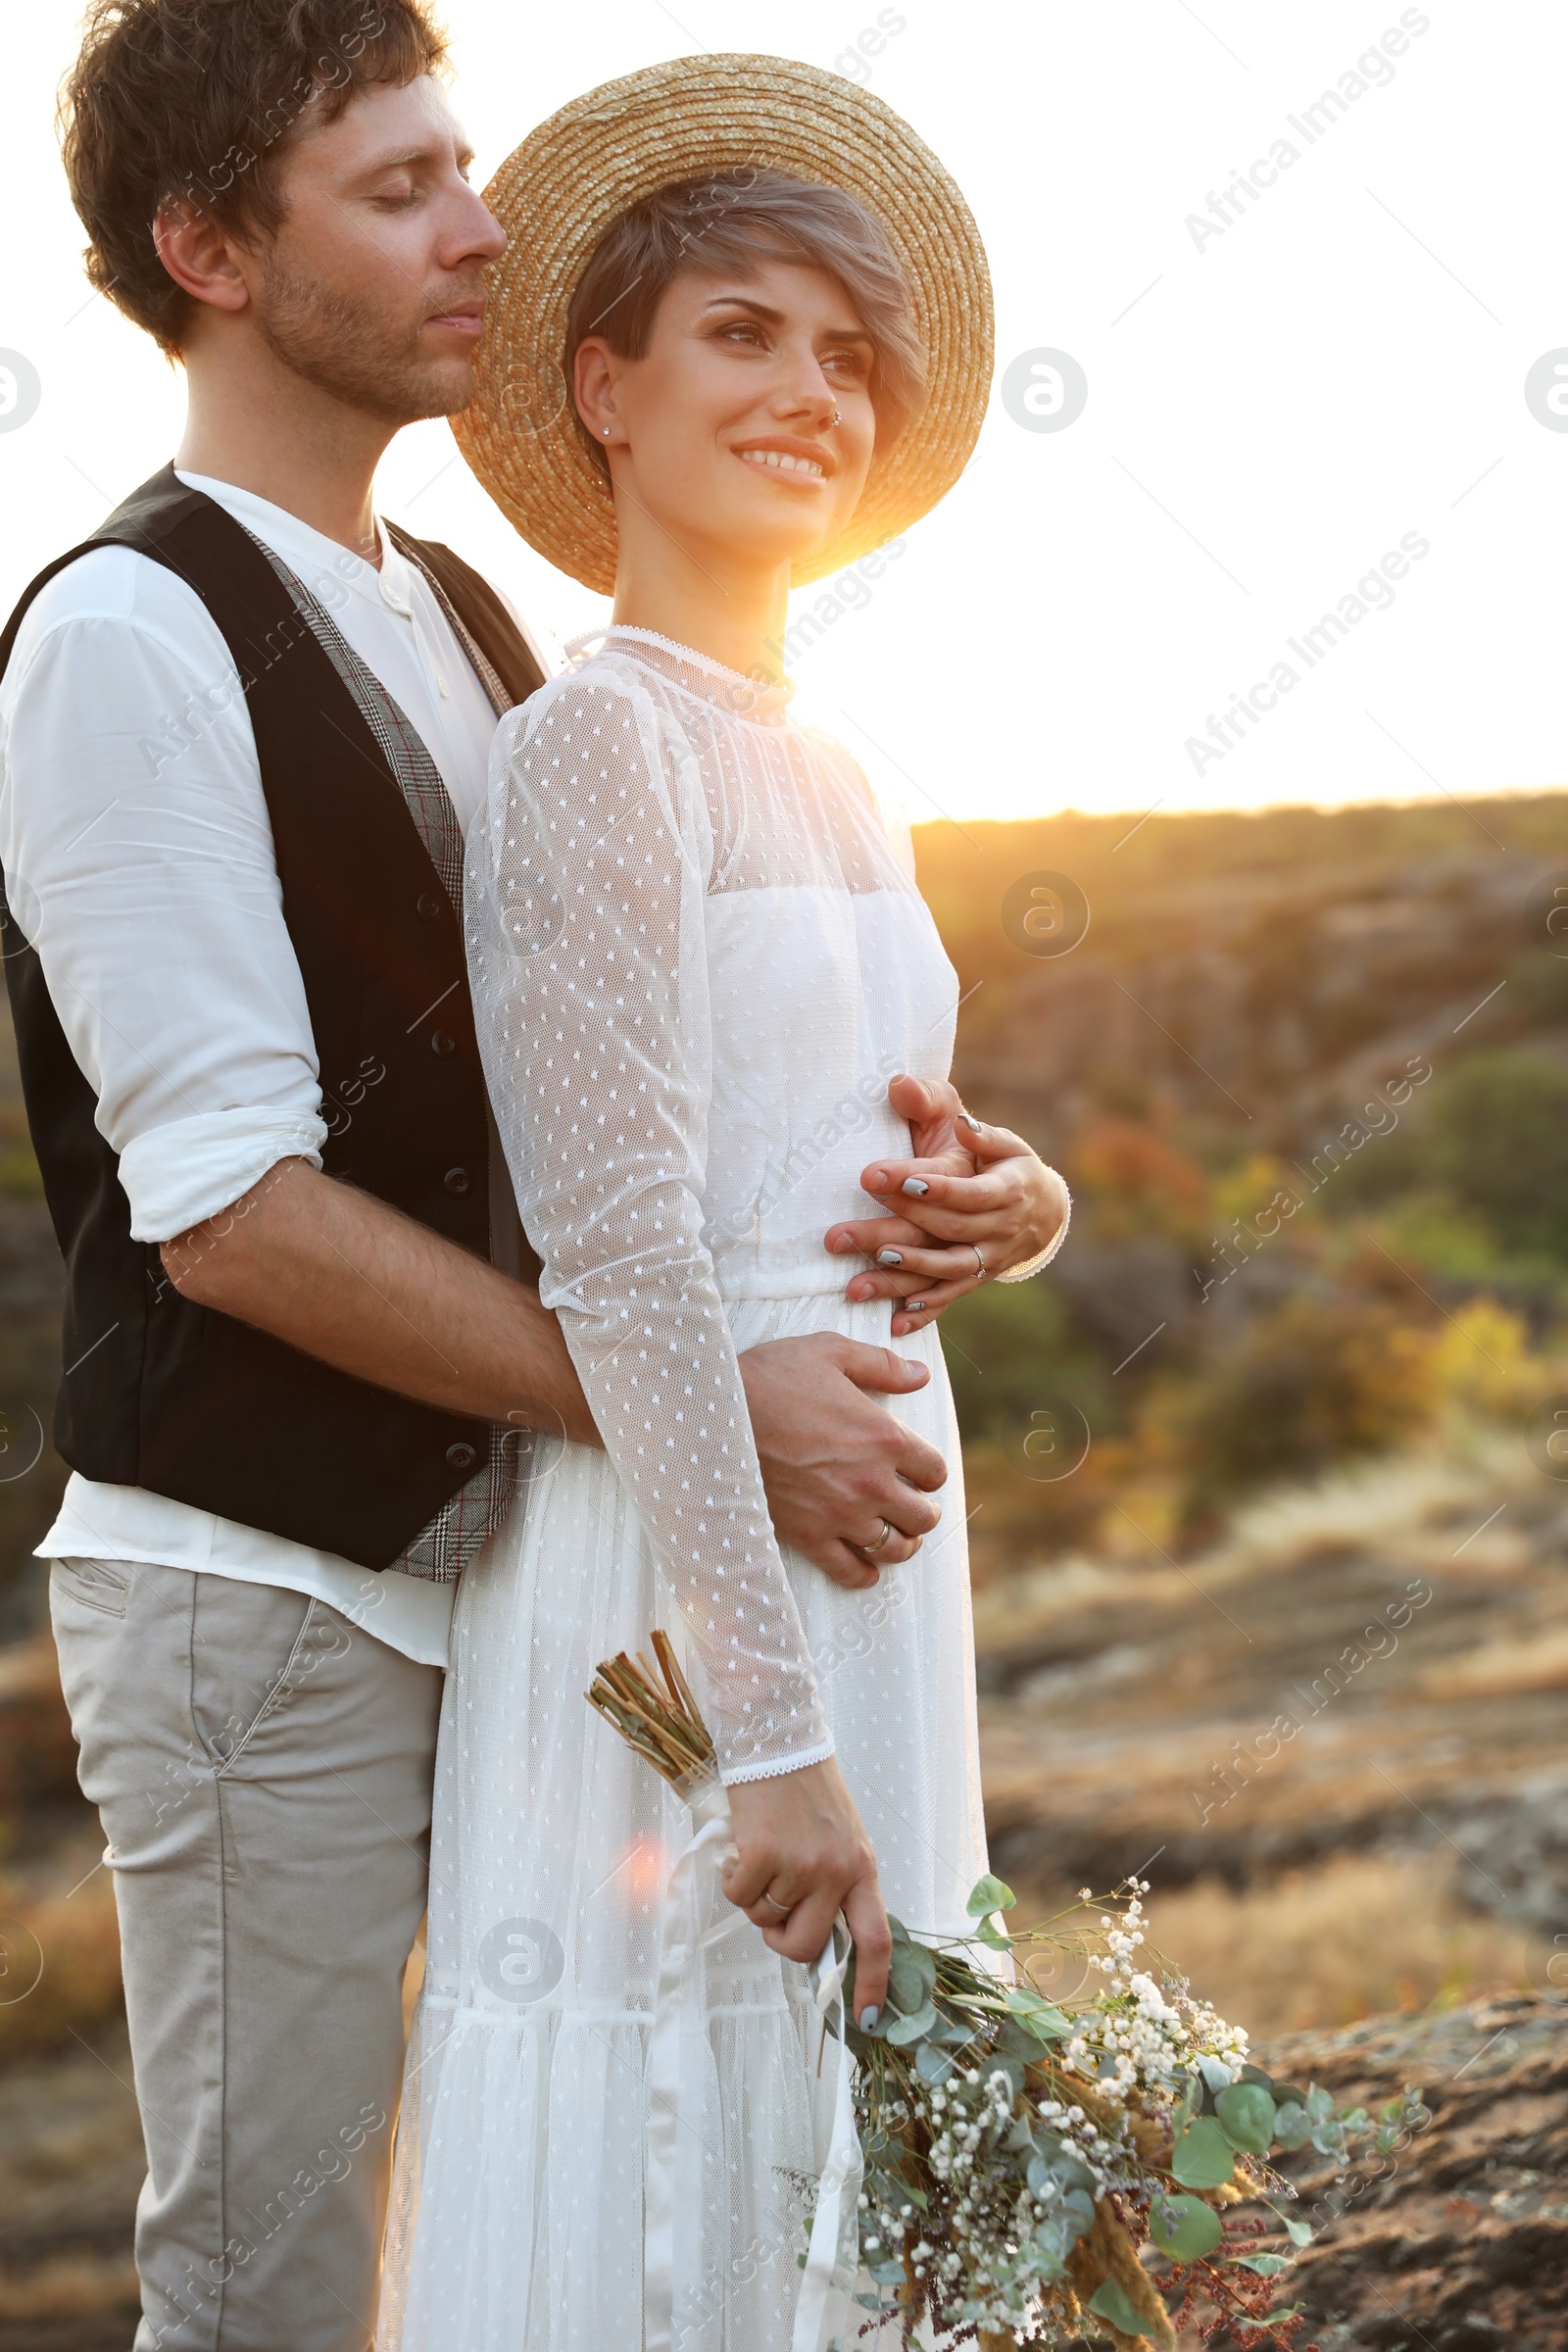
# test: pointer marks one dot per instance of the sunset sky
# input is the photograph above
(1287, 382)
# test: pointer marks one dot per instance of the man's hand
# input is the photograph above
(980, 1188)
(837, 1466)
(801, 1842)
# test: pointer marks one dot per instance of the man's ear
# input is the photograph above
(199, 255)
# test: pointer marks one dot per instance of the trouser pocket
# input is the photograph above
(94, 1584)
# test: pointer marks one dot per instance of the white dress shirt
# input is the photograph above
(138, 860)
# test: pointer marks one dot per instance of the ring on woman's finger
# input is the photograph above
(783, 1909)
(980, 1264)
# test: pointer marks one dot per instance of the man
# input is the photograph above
(240, 735)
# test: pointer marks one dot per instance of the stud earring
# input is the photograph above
(607, 432)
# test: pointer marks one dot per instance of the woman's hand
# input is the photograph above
(981, 1189)
(802, 1844)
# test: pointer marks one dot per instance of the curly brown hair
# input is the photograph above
(195, 101)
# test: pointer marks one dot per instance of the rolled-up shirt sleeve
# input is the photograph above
(138, 861)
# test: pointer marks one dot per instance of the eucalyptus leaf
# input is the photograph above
(897, 1931)
(1202, 2157)
(1108, 2302)
(988, 1894)
(1041, 2016)
(906, 2030)
(1077, 2211)
(1246, 2115)
(1184, 2227)
(931, 2064)
(1292, 2092)
(1267, 2265)
(907, 1989)
(1299, 2233)
(1073, 2174)
(1217, 2073)
(998, 2062)
(992, 1937)
(1054, 2239)
(1292, 2126)
(1018, 2039)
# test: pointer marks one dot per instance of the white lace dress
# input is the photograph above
(697, 959)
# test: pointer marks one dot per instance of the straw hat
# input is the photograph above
(560, 193)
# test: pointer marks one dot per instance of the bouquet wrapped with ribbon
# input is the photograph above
(1025, 2166)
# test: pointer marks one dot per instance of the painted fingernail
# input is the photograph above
(964, 1120)
(868, 2018)
(889, 1257)
(915, 1306)
(917, 1185)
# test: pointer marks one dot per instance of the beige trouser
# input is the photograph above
(264, 1772)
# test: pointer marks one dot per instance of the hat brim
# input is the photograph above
(560, 193)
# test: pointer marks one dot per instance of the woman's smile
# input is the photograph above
(801, 463)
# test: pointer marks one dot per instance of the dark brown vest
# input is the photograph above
(163, 1393)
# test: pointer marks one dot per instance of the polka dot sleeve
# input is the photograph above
(585, 914)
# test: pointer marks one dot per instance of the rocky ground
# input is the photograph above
(1372, 1668)
(71, 2165)
(1459, 2242)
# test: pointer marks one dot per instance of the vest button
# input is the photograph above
(461, 1457)
(429, 907)
(457, 1180)
(443, 1045)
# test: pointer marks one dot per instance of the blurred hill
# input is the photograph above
(1260, 971)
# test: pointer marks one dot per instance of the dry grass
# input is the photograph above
(70, 2288)
(1351, 1937)
(1503, 1668)
(77, 1987)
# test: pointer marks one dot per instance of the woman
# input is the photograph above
(698, 963)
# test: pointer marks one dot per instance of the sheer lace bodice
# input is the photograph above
(697, 959)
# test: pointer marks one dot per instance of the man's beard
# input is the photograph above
(345, 345)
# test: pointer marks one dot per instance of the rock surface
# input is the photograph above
(1458, 2242)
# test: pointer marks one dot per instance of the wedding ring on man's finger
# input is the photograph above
(783, 1909)
(889, 1531)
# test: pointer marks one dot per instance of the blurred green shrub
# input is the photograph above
(1010, 1348)
(1299, 1389)
(1497, 1136)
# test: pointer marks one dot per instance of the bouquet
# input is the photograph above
(1020, 2153)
